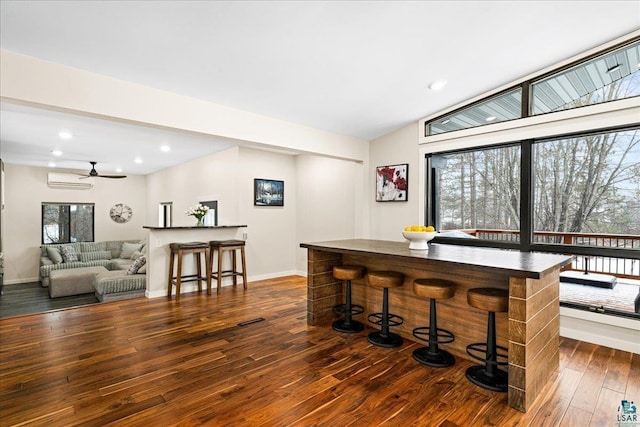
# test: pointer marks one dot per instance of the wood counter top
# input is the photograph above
(191, 227)
(519, 264)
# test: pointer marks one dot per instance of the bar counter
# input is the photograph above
(530, 330)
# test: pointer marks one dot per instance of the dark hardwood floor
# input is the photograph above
(29, 298)
(161, 362)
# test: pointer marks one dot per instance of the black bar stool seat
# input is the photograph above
(488, 376)
(385, 280)
(347, 273)
(179, 250)
(219, 247)
(432, 355)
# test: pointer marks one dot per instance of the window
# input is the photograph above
(67, 223)
(507, 106)
(479, 189)
(614, 75)
(588, 184)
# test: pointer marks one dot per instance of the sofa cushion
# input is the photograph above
(120, 264)
(92, 256)
(136, 255)
(129, 248)
(93, 246)
(133, 269)
(54, 255)
(68, 253)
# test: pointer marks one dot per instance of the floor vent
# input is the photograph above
(248, 322)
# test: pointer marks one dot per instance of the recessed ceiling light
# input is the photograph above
(118, 170)
(444, 122)
(438, 84)
(57, 153)
(165, 148)
(490, 118)
(138, 160)
(52, 164)
(614, 68)
(64, 134)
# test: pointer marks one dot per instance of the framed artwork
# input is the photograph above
(268, 192)
(392, 183)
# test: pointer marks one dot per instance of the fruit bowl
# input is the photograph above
(419, 239)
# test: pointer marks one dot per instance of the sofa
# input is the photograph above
(114, 269)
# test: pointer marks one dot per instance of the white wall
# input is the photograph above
(26, 189)
(329, 201)
(389, 218)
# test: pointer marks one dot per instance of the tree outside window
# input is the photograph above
(67, 223)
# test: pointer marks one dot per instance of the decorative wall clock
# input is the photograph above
(121, 213)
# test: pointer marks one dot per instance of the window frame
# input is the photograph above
(68, 205)
(527, 184)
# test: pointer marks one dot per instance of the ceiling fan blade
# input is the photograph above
(111, 176)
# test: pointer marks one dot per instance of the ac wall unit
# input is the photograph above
(69, 181)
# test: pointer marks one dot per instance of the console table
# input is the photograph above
(530, 329)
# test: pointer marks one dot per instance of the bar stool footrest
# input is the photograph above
(480, 376)
(391, 340)
(439, 359)
(341, 309)
(481, 347)
(393, 320)
(444, 336)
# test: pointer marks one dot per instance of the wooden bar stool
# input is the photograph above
(348, 273)
(219, 247)
(488, 376)
(181, 249)
(432, 355)
(385, 280)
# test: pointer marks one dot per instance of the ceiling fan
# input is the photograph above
(94, 174)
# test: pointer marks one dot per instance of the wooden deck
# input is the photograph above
(161, 362)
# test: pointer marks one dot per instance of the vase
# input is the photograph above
(200, 222)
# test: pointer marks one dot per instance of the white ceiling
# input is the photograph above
(358, 68)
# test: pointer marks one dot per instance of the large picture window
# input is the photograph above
(479, 189)
(67, 223)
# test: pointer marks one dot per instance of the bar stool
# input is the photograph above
(385, 280)
(219, 247)
(181, 249)
(348, 273)
(488, 376)
(431, 355)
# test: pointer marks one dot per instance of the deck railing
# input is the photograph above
(617, 266)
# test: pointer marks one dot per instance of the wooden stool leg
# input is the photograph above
(199, 271)
(179, 278)
(170, 281)
(220, 252)
(234, 267)
(244, 268)
(207, 259)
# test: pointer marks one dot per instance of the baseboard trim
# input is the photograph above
(227, 281)
(610, 331)
(20, 281)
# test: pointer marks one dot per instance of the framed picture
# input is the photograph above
(392, 183)
(268, 192)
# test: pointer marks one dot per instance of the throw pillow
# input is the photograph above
(128, 249)
(137, 264)
(68, 253)
(143, 269)
(136, 255)
(54, 255)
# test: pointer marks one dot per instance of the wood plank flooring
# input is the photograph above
(29, 298)
(162, 362)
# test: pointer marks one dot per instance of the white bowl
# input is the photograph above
(418, 239)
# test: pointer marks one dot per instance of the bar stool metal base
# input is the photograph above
(482, 378)
(390, 340)
(439, 359)
(342, 325)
